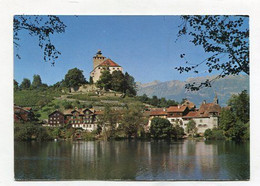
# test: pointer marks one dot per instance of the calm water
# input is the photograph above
(132, 160)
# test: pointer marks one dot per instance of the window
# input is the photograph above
(58, 122)
(201, 120)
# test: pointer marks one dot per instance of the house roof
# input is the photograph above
(189, 104)
(207, 108)
(191, 114)
(56, 111)
(177, 108)
(158, 112)
(109, 63)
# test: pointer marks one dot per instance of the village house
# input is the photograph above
(23, 114)
(78, 118)
(101, 63)
(206, 117)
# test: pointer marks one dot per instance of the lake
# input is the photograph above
(132, 160)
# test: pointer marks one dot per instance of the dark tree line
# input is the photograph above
(117, 81)
(234, 120)
(26, 84)
(157, 102)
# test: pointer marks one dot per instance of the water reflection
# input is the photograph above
(132, 160)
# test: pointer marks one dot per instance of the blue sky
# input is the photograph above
(145, 46)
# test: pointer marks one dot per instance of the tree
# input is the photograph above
(224, 38)
(161, 128)
(130, 85)
(191, 128)
(226, 121)
(108, 121)
(104, 81)
(117, 81)
(26, 83)
(240, 106)
(154, 101)
(74, 78)
(178, 132)
(91, 80)
(16, 85)
(41, 27)
(37, 82)
(132, 120)
(235, 120)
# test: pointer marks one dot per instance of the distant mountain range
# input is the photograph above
(175, 89)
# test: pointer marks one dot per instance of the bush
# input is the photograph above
(88, 136)
(214, 134)
(29, 131)
(161, 128)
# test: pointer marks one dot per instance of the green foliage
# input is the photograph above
(178, 132)
(37, 82)
(129, 85)
(154, 101)
(235, 120)
(191, 128)
(117, 81)
(104, 81)
(91, 80)
(74, 78)
(35, 98)
(208, 133)
(26, 83)
(88, 136)
(240, 106)
(161, 128)
(107, 121)
(29, 131)
(16, 85)
(132, 120)
(214, 134)
(219, 36)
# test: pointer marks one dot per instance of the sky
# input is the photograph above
(145, 46)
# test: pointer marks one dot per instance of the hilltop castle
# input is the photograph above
(101, 63)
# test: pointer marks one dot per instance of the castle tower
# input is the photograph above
(215, 99)
(98, 59)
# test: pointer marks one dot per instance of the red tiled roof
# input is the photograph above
(207, 108)
(176, 108)
(191, 114)
(109, 62)
(158, 112)
(27, 108)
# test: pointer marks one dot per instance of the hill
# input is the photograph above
(175, 89)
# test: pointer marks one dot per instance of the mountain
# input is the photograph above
(175, 89)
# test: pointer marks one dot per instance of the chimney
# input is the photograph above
(179, 106)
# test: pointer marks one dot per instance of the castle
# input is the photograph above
(101, 63)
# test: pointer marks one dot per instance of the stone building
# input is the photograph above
(206, 117)
(101, 63)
